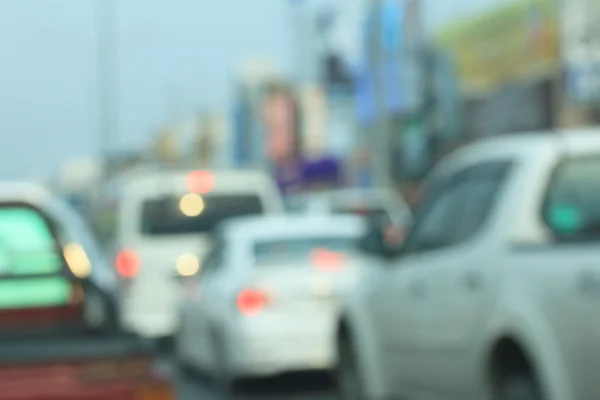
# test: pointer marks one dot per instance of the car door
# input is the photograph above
(459, 282)
(397, 297)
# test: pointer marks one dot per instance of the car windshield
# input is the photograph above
(193, 213)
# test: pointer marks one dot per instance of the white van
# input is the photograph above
(157, 225)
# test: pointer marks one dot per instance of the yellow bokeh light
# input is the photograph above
(188, 265)
(77, 260)
(191, 205)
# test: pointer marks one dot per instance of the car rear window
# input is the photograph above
(194, 214)
(290, 250)
(572, 203)
(30, 265)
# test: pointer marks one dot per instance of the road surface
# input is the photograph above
(291, 387)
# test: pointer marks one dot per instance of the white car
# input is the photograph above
(266, 300)
(495, 292)
(366, 202)
(157, 222)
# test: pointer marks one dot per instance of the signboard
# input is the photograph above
(518, 40)
(580, 39)
(279, 116)
(299, 175)
(390, 69)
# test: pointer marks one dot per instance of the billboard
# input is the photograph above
(280, 116)
(517, 40)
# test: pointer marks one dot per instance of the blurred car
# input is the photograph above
(46, 352)
(158, 222)
(495, 290)
(79, 249)
(365, 202)
(266, 298)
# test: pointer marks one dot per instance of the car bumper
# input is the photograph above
(84, 391)
(264, 351)
(151, 324)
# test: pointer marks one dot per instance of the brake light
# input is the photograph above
(200, 182)
(327, 260)
(251, 302)
(128, 264)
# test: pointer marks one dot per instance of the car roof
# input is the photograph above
(28, 192)
(293, 226)
(343, 198)
(527, 145)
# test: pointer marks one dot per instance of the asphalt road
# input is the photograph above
(289, 387)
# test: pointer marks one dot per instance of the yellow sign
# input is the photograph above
(515, 41)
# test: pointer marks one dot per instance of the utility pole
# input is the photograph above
(107, 80)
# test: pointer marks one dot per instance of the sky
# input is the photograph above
(175, 57)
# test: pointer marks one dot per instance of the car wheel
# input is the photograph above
(222, 374)
(348, 380)
(519, 387)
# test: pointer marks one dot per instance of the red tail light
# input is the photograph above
(327, 260)
(200, 182)
(128, 264)
(251, 302)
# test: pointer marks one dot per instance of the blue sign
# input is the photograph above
(365, 95)
(392, 15)
(391, 72)
(300, 175)
(394, 85)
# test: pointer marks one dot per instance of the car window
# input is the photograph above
(456, 207)
(572, 203)
(192, 214)
(27, 242)
(31, 266)
(284, 253)
(481, 190)
(434, 228)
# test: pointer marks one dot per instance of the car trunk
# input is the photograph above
(299, 298)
